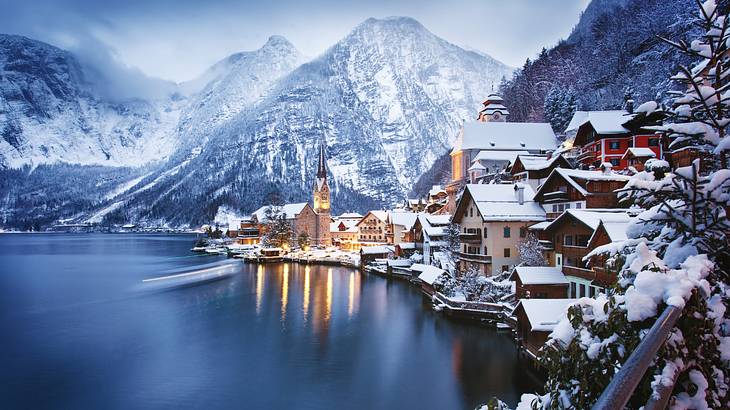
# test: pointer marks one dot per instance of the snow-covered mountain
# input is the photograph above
(50, 112)
(388, 99)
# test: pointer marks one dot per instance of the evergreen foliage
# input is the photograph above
(530, 251)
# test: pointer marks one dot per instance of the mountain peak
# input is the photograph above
(398, 22)
(277, 41)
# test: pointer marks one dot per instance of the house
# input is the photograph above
(369, 254)
(427, 277)
(399, 223)
(301, 216)
(534, 169)
(579, 189)
(539, 282)
(536, 319)
(493, 219)
(636, 157)
(574, 234)
(373, 228)
(344, 233)
(429, 233)
(605, 136)
(248, 232)
(493, 143)
(435, 201)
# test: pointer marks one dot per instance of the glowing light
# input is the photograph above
(259, 287)
(328, 299)
(284, 292)
(351, 296)
(305, 308)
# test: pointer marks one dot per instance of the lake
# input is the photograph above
(78, 333)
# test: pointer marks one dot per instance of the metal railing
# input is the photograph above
(624, 383)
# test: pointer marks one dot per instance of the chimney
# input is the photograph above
(630, 106)
(520, 190)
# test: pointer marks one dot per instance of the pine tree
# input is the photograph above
(530, 251)
(676, 255)
(278, 230)
(453, 246)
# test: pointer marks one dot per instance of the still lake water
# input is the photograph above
(78, 334)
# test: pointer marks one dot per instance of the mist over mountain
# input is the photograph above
(387, 99)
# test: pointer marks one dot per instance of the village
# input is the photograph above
(509, 241)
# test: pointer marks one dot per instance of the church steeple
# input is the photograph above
(321, 188)
(322, 167)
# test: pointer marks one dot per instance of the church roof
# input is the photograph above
(290, 210)
(499, 136)
(322, 163)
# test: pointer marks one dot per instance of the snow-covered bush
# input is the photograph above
(676, 255)
(530, 251)
(475, 287)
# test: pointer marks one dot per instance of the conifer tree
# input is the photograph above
(676, 255)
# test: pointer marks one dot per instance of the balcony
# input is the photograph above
(475, 257)
(470, 237)
(586, 155)
(555, 196)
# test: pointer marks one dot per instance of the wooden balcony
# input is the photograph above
(475, 257)
(470, 237)
(599, 277)
(555, 196)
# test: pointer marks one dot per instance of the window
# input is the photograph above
(567, 206)
(506, 252)
(471, 212)
(561, 208)
(582, 240)
(614, 145)
(578, 205)
(507, 232)
(653, 142)
(560, 261)
(485, 250)
(568, 240)
(555, 208)
(485, 232)
(505, 268)
(523, 232)
(582, 290)
(591, 291)
(572, 290)
(615, 161)
(464, 248)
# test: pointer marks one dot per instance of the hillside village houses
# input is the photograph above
(508, 181)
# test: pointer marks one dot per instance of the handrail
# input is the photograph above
(619, 391)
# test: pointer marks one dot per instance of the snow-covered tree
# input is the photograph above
(278, 230)
(559, 107)
(530, 251)
(676, 255)
(453, 246)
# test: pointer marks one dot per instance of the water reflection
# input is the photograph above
(259, 288)
(305, 306)
(284, 292)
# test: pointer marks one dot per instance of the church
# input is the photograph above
(321, 232)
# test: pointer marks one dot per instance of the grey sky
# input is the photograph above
(178, 39)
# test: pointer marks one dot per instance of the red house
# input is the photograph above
(606, 136)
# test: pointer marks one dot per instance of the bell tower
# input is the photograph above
(322, 200)
(493, 110)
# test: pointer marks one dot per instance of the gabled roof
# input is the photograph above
(290, 210)
(604, 122)
(539, 275)
(477, 166)
(506, 136)
(499, 202)
(488, 155)
(350, 226)
(544, 314)
(350, 215)
(615, 220)
(435, 190)
(540, 162)
(429, 273)
(406, 219)
(572, 175)
(377, 250)
(381, 215)
(634, 152)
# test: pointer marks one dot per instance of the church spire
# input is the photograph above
(322, 167)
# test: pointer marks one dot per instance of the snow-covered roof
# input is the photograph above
(477, 167)
(604, 122)
(350, 215)
(399, 262)
(615, 221)
(382, 215)
(639, 153)
(540, 275)
(442, 219)
(506, 136)
(405, 219)
(429, 274)
(376, 250)
(570, 175)
(499, 202)
(435, 190)
(536, 162)
(544, 314)
(290, 210)
(488, 155)
(539, 226)
(407, 245)
(350, 226)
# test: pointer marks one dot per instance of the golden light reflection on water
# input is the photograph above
(259, 287)
(328, 300)
(351, 295)
(284, 292)
(305, 307)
